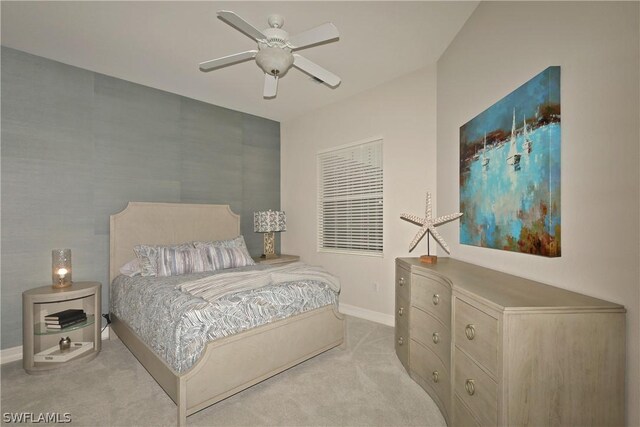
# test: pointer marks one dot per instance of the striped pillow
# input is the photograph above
(148, 255)
(178, 261)
(222, 258)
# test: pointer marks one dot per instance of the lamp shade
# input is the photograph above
(61, 268)
(269, 221)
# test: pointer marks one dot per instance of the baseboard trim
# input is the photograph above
(12, 354)
(363, 313)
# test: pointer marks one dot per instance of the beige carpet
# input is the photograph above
(364, 385)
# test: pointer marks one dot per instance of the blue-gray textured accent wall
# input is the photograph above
(78, 145)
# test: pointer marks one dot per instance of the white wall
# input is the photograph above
(504, 44)
(403, 112)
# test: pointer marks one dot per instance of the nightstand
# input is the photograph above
(280, 259)
(40, 345)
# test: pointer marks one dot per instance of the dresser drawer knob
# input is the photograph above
(435, 337)
(435, 376)
(435, 299)
(400, 311)
(470, 386)
(470, 332)
(401, 281)
(400, 341)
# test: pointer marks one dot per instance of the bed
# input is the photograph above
(230, 364)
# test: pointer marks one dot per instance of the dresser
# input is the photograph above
(495, 349)
(423, 330)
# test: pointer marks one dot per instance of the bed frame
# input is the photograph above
(227, 365)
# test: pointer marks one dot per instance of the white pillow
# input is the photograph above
(132, 268)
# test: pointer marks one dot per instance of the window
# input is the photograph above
(350, 198)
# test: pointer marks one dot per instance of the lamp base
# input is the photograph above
(268, 256)
(429, 259)
(269, 245)
(62, 285)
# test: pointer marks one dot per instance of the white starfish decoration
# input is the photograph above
(429, 225)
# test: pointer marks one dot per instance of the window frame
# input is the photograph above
(319, 199)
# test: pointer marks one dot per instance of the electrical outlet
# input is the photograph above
(376, 286)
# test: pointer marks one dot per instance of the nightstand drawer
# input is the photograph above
(477, 333)
(403, 283)
(476, 389)
(433, 297)
(429, 331)
(431, 370)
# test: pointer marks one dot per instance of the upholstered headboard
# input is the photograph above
(166, 223)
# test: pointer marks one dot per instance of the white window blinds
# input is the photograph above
(350, 199)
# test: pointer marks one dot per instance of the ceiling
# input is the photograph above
(160, 44)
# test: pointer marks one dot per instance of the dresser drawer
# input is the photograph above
(476, 389)
(432, 296)
(461, 415)
(477, 333)
(430, 369)
(403, 283)
(402, 311)
(402, 343)
(429, 331)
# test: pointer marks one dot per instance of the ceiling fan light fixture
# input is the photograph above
(274, 55)
(274, 61)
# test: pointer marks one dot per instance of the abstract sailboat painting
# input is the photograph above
(510, 194)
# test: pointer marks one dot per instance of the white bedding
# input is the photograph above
(178, 325)
(212, 288)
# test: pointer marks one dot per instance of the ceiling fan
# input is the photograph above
(274, 55)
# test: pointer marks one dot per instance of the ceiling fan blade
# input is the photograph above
(319, 34)
(315, 70)
(242, 25)
(227, 60)
(270, 86)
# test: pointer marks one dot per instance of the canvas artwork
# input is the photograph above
(510, 171)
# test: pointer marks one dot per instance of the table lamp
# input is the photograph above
(61, 268)
(268, 222)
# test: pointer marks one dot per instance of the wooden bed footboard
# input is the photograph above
(227, 365)
(232, 364)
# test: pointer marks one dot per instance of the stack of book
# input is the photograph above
(64, 319)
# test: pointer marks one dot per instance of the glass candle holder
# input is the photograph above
(61, 268)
